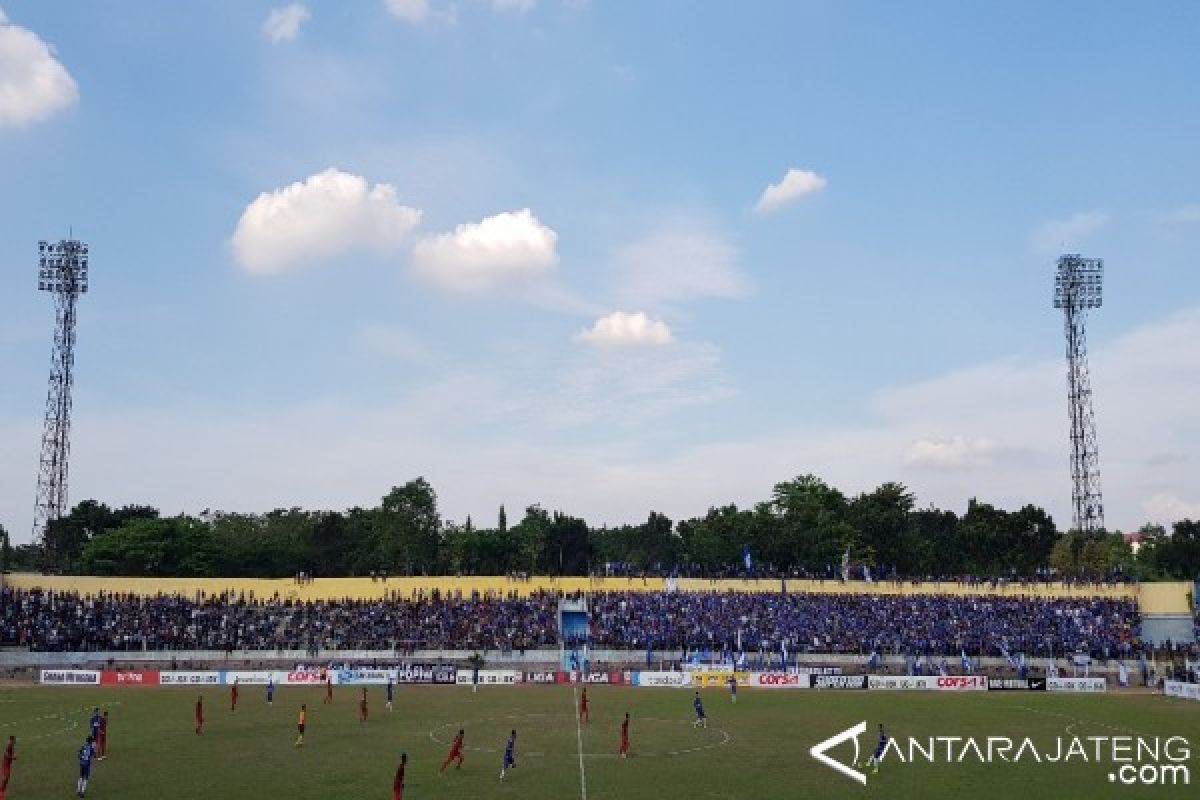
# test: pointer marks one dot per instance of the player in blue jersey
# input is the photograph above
(87, 752)
(874, 760)
(510, 754)
(701, 720)
(733, 688)
(391, 687)
(271, 690)
(94, 724)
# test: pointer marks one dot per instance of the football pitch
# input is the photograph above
(758, 748)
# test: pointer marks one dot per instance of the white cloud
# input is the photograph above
(283, 24)
(795, 184)
(955, 452)
(1166, 508)
(621, 328)
(1065, 235)
(410, 11)
(33, 83)
(326, 215)
(679, 262)
(510, 247)
(513, 6)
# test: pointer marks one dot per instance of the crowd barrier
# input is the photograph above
(448, 674)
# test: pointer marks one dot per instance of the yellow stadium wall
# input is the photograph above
(1153, 598)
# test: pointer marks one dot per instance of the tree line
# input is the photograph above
(806, 527)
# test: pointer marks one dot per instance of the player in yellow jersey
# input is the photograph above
(300, 725)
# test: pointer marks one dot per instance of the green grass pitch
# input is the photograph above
(755, 749)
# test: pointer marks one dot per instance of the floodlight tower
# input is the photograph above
(1078, 287)
(62, 271)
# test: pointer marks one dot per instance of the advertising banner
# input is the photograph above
(253, 677)
(133, 677)
(960, 683)
(901, 682)
(70, 677)
(839, 681)
(303, 677)
(1076, 684)
(708, 679)
(780, 680)
(490, 677)
(1187, 691)
(426, 673)
(376, 677)
(678, 680)
(547, 676)
(1016, 684)
(177, 678)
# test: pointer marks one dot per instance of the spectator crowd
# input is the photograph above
(796, 622)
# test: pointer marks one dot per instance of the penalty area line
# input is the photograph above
(579, 742)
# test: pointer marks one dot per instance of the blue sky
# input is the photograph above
(478, 188)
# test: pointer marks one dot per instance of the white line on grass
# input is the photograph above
(579, 741)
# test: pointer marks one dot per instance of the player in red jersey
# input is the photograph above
(199, 715)
(456, 751)
(6, 765)
(102, 738)
(624, 751)
(398, 781)
(328, 688)
(362, 706)
(233, 695)
(583, 707)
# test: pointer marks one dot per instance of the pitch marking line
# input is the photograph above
(579, 740)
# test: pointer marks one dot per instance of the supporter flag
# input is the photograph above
(1145, 668)
(966, 662)
(783, 650)
(1012, 660)
(942, 668)
(846, 564)
(866, 573)
(873, 661)
(746, 557)
(1122, 674)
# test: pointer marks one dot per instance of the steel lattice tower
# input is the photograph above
(62, 271)
(1078, 285)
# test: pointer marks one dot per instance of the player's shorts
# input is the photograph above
(301, 729)
(85, 772)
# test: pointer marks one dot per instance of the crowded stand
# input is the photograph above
(980, 625)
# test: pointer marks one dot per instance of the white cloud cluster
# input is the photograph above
(326, 215)
(1067, 234)
(795, 184)
(283, 24)
(622, 328)
(512, 246)
(33, 83)
(679, 262)
(955, 452)
(410, 11)
(513, 6)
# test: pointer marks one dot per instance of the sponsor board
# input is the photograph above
(780, 680)
(901, 682)
(376, 677)
(1076, 684)
(489, 677)
(70, 677)
(710, 679)
(548, 676)
(960, 683)
(133, 677)
(303, 677)
(1187, 691)
(839, 681)
(426, 673)
(177, 678)
(252, 677)
(816, 670)
(603, 677)
(676, 680)
(1016, 684)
